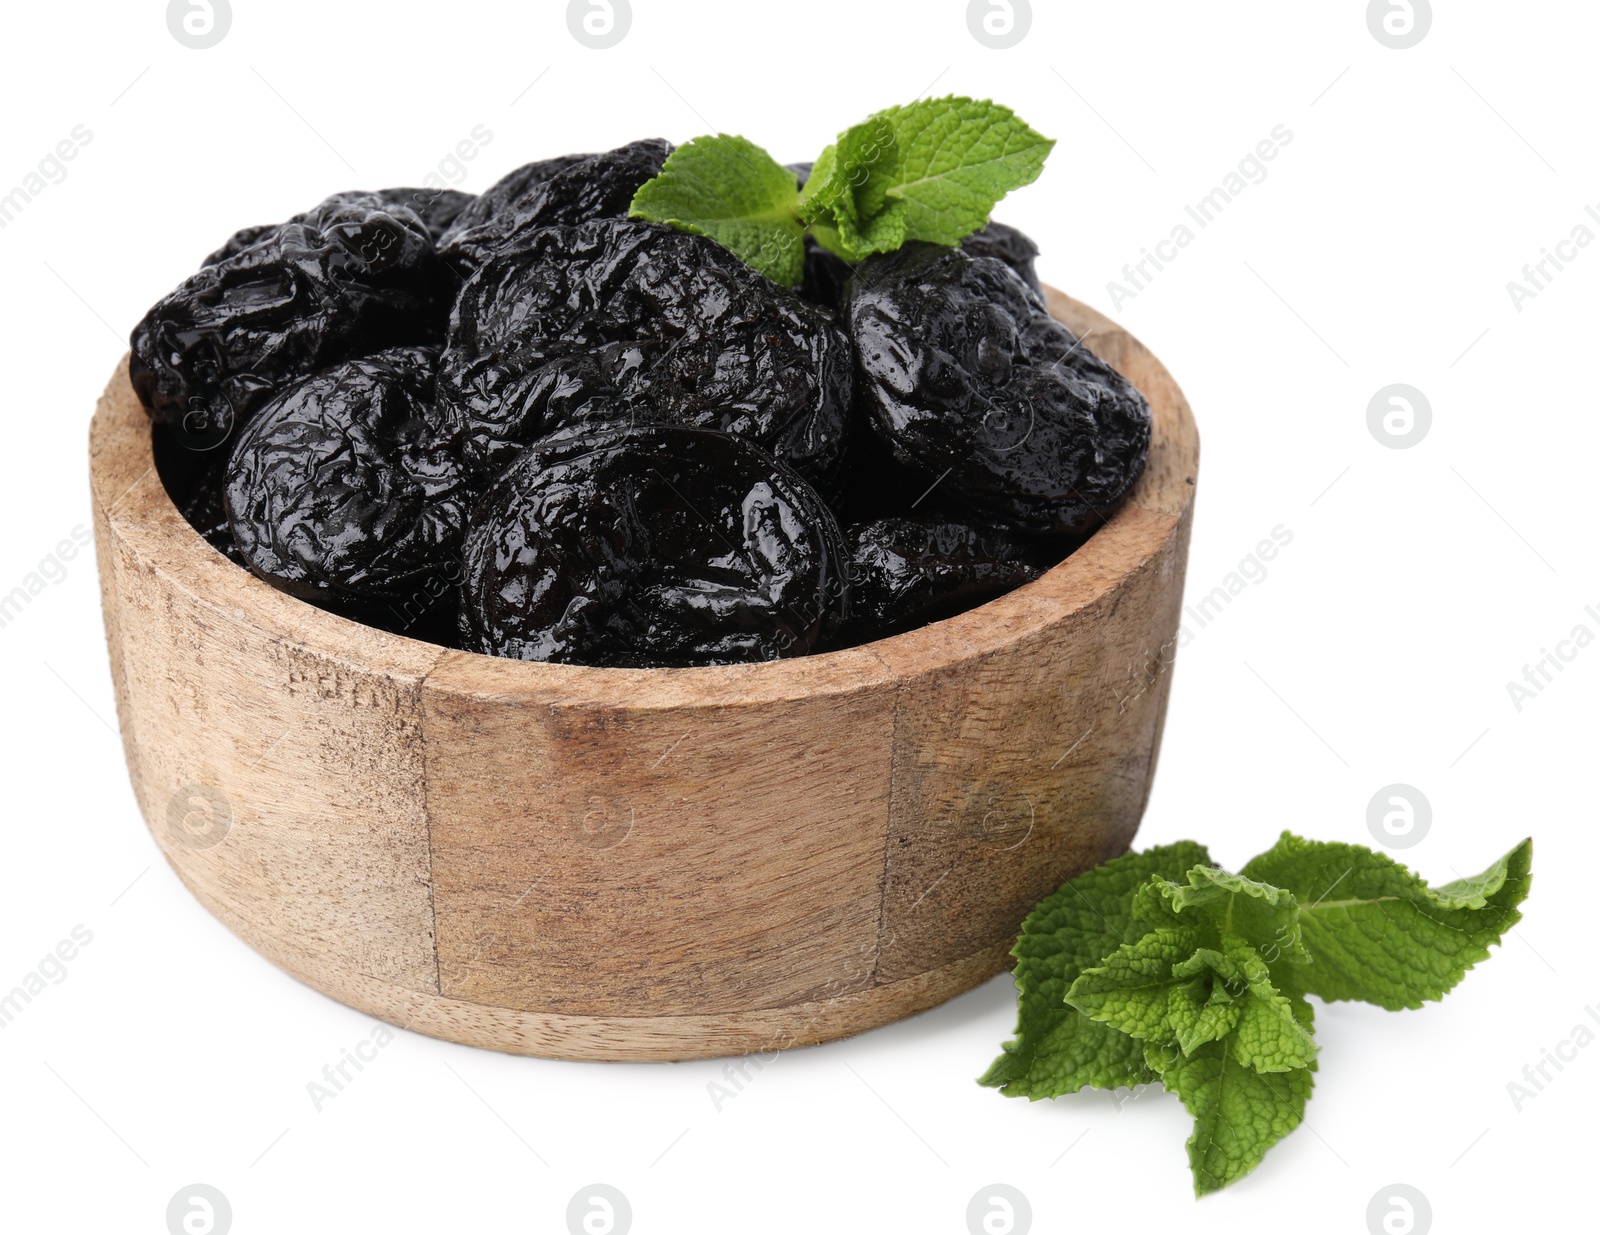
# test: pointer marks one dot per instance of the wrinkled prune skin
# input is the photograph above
(346, 490)
(353, 277)
(246, 238)
(905, 573)
(651, 546)
(1010, 246)
(548, 194)
(513, 185)
(620, 320)
(970, 382)
(437, 208)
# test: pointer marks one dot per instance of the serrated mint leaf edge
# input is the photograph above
(779, 249)
(829, 198)
(1502, 887)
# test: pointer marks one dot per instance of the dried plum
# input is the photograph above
(346, 490)
(616, 320)
(437, 208)
(503, 192)
(352, 277)
(653, 545)
(554, 192)
(1010, 246)
(245, 238)
(973, 384)
(905, 573)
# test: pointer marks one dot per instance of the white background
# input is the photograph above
(1377, 649)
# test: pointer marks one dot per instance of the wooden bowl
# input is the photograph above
(639, 863)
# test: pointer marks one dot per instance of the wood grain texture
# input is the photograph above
(639, 864)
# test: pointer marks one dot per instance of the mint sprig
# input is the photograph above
(931, 170)
(1159, 965)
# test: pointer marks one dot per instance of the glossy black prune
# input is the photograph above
(437, 208)
(970, 382)
(554, 192)
(650, 546)
(513, 185)
(353, 276)
(246, 238)
(1010, 246)
(618, 320)
(905, 573)
(346, 490)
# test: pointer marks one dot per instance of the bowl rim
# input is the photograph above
(146, 522)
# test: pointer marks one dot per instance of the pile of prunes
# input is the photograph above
(524, 424)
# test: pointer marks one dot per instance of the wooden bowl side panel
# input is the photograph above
(1016, 770)
(849, 1009)
(657, 858)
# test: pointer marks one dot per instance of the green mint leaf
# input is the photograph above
(1166, 989)
(1057, 1050)
(1199, 1011)
(1130, 990)
(957, 158)
(1262, 1027)
(847, 204)
(817, 211)
(733, 191)
(1376, 932)
(932, 170)
(1273, 1032)
(1239, 1113)
(1265, 916)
